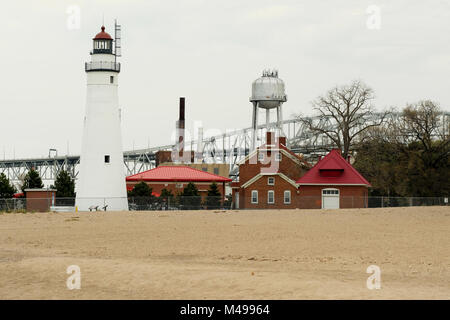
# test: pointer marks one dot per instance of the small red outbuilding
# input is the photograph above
(175, 178)
(333, 183)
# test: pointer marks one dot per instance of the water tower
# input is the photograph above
(267, 93)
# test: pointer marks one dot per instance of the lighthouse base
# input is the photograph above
(101, 204)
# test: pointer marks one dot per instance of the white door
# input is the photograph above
(330, 198)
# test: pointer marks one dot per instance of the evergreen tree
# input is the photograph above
(7, 190)
(64, 185)
(32, 180)
(142, 196)
(213, 197)
(141, 190)
(166, 198)
(190, 198)
(166, 194)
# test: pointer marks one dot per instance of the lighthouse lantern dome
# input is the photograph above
(103, 42)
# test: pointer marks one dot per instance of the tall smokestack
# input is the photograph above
(199, 153)
(180, 128)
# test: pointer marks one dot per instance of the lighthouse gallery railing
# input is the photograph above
(102, 66)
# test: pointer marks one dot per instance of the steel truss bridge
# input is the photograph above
(229, 148)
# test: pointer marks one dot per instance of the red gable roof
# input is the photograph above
(333, 161)
(177, 173)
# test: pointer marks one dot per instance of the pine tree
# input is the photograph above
(64, 185)
(141, 190)
(142, 196)
(166, 194)
(190, 198)
(214, 197)
(7, 190)
(32, 180)
(166, 198)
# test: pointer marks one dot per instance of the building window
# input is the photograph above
(254, 196)
(260, 156)
(270, 196)
(216, 171)
(271, 181)
(278, 156)
(107, 159)
(330, 191)
(111, 79)
(287, 197)
(179, 185)
(205, 169)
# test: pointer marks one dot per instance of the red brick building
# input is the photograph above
(331, 184)
(40, 200)
(267, 177)
(175, 179)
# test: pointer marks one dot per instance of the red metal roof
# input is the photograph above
(333, 161)
(102, 35)
(177, 173)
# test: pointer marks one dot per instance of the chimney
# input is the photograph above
(199, 155)
(180, 128)
(282, 140)
(348, 159)
(182, 100)
(320, 158)
(269, 138)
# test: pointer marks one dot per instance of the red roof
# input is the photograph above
(177, 173)
(102, 35)
(333, 161)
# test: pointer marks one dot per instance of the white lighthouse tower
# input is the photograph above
(101, 179)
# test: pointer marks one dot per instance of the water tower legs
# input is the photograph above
(254, 124)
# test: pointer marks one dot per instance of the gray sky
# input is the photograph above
(209, 51)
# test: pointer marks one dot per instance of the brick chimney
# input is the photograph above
(282, 140)
(180, 127)
(270, 138)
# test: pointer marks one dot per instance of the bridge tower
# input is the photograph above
(101, 175)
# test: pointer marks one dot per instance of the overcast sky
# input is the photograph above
(208, 51)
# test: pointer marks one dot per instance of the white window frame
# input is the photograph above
(260, 156)
(284, 196)
(278, 156)
(254, 192)
(331, 191)
(268, 197)
(268, 181)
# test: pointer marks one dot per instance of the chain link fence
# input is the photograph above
(216, 203)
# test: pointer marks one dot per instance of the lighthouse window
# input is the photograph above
(111, 79)
(107, 159)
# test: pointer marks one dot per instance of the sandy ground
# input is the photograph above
(286, 254)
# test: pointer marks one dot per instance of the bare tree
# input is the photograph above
(423, 122)
(351, 112)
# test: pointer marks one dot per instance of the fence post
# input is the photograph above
(382, 201)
